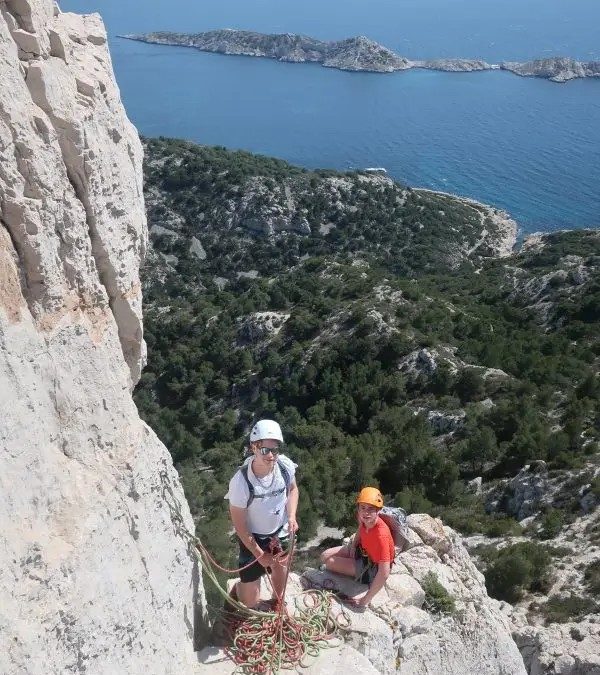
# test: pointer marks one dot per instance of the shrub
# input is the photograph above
(437, 598)
(412, 501)
(572, 607)
(592, 578)
(552, 523)
(516, 568)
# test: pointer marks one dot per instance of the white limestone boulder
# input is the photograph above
(430, 530)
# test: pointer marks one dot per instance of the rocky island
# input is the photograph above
(556, 69)
(357, 53)
(354, 54)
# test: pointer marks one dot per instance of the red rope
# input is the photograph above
(219, 567)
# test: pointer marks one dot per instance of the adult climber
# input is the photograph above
(263, 500)
(370, 554)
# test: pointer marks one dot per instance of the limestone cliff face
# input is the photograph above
(95, 576)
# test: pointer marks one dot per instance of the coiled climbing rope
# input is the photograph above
(265, 642)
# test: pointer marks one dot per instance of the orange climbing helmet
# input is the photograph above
(370, 495)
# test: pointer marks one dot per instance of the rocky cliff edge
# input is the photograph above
(94, 576)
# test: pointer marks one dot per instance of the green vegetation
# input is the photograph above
(467, 515)
(592, 578)
(516, 568)
(552, 523)
(437, 598)
(560, 609)
(375, 317)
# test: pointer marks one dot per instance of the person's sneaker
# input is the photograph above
(227, 605)
(226, 624)
(272, 605)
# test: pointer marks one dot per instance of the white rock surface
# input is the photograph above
(95, 576)
(523, 495)
(565, 649)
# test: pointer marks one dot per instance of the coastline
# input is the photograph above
(507, 229)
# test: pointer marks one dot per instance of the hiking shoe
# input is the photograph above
(227, 605)
(272, 605)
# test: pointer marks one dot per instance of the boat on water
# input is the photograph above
(375, 169)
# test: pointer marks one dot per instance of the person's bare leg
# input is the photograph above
(327, 553)
(340, 560)
(249, 593)
(278, 573)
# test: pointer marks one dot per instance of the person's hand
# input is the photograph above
(266, 559)
(360, 601)
(281, 558)
(293, 525)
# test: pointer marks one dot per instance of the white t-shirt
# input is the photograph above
(265, 514)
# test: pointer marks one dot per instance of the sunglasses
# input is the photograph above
(266, 451)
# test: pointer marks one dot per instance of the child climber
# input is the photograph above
(369, 556)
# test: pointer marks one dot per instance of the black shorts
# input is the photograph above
(271, 543)
(365, 570)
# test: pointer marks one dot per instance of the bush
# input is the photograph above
(516, 568)
(507, 577)
(592, 578)
(572, 607)
(552, 523)
(437, 598)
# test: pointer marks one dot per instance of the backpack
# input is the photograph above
(285, 474)
(395, 518)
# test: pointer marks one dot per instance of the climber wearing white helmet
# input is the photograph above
(263, 499)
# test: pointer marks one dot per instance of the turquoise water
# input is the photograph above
(526, 145)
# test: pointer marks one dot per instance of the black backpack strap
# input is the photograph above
(285, 474)
(244, 472)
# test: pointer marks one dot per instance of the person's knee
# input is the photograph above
(249, 593)
(328, 553)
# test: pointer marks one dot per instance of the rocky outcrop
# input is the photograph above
(96, 573)
(534, 489)
(402, 631)
(524, 494)
(555, 69)
(267, 209)
(455, 65)
(261, 326)
(532, 283)
(565, 649)
(360, 53)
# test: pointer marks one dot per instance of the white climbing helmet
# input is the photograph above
(264, 429)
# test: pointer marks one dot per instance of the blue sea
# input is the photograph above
(529, 146)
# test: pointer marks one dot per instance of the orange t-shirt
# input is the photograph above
(377, 542)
